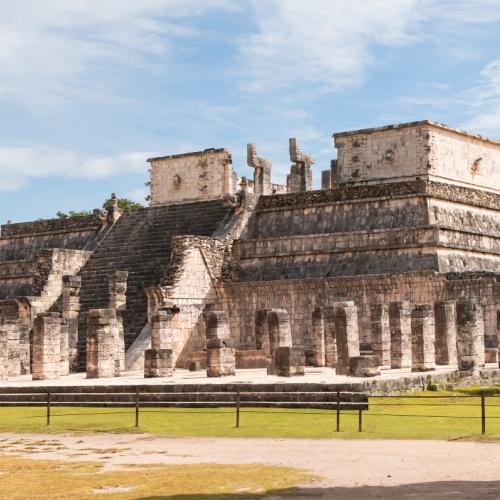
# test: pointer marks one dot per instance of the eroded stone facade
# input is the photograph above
(395, 264)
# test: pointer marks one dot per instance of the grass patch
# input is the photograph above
(387, 418)
(24, 478)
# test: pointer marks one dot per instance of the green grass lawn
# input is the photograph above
(387, 418)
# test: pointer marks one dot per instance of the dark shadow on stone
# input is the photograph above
(440, 490)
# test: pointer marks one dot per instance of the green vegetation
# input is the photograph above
(123, 204)
(73, 213)
(387, 418)
(24, 478)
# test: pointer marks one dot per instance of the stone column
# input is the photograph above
(24, 348)
(262, 171)
(381, 333)
(46, 346)
(64, 348)
(318, 337)
(330, 339)
(300, 177)
(400, 326)
(4, 352)
(158, 361)
(446, 333)
(470, 334)
(221, 354)
(423, 338)
(117, 287)
(11, 329)
(285, 359)
(345, 315)
(101, 343)
(70, 312)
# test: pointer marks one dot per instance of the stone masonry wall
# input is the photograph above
(301, 297)
(195, 176)
(419, 149)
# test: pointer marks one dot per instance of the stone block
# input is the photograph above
(470, 335)
(158, 363)
(100, 344)
(491, 355)
(4, 354)
(221, 362)
(423, 338)
(364, 366)
(46, 347)
(289, 361)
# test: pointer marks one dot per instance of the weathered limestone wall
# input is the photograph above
(202, 175)
(422, 149)
(301, 297)
(370, 230)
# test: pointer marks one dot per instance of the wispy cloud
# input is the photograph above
(322, 41)
(330, 44)
(20, 165)
(53, 50)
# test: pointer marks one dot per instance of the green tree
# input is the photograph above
(123, 204)
(73, 213)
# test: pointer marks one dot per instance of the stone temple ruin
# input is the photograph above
(393, 264)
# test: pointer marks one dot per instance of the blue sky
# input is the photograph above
(91, 88)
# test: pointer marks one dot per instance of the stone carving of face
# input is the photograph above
(177, 181)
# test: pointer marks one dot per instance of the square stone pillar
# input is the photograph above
(280, 335)
(400, 326)
(345, 315)
(318, 338)
(159, 360)
(221, 362)
(46, 346)
(423, 338)
(221, 354)
(117, 288)
(4, 353)
(330, 339)
(289, 361)
(64, 348)
(381, 333)
(470, 335)
(100, 343)
(446, 333)
(12, 333)
(24, 348)
(70, 312)
(158, 363)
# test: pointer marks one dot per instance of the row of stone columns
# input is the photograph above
(403, 336)
(51, 352)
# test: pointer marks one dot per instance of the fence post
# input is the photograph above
(483, 413)
(137, 407)
(360, 421)
(237, 408)
(48, 408)
(338, 411)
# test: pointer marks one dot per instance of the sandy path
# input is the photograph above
(342, 463)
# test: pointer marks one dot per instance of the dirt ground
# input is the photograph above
(350, 469)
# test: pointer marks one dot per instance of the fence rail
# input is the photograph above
(339, 402)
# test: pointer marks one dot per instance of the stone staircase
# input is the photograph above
(287, 395)
(140, 243)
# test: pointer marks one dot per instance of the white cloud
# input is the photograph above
(484, 101)
(329, 44)
(60, 49)
(19, 165)
(322, 41)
